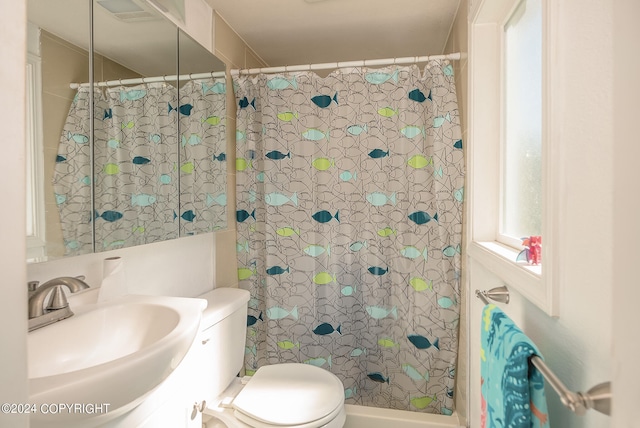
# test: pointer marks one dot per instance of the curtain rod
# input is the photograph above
(362, 63)
(140, 80)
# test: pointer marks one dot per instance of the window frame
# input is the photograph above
(538, 284)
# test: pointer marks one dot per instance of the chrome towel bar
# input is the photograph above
(597, 398)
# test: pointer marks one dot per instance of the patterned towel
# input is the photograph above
(512, 388)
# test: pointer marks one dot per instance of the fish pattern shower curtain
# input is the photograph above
(349, 222)
(151, 184)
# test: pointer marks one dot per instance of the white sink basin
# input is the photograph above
(114, 353)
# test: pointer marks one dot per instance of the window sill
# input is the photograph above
(500, 260)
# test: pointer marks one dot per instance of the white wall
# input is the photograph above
(578, 345)
(13, 311)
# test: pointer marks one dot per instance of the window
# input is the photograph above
(521, 149)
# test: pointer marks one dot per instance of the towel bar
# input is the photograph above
(597, 398)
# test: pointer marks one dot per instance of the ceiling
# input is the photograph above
(291, 32)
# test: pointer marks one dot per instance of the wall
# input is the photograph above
(458, 42)
(578, 345)
(13, 316)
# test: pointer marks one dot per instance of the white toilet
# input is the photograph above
(280, 395)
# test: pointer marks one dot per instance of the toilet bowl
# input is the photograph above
(291, 395)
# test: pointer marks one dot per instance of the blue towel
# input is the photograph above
(512, 388)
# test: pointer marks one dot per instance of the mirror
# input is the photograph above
(150, 168)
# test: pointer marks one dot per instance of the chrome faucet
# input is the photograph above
(58, 307)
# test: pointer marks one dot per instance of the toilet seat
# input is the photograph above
(290, 395)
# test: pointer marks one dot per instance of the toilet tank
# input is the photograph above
(222, 335)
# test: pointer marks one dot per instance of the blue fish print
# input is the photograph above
(379, 77)
(109, 216)
(378, 153)
(216, 88)
(326, 328)
(277, 155)
(188, 215)
(221, 157)
(457, 144)
(184, 109)
(281, 83)
(60, 159)
(251, 320)
(108, 114)
(324, 101)
(244, 103)
(242, 215)
(378, 377)
(375, 270)
(422, 342)
(325, 216)
(277, 270)
(139, 160)
(421, 217)
(417, 95)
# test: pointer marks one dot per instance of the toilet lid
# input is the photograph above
(290, 394)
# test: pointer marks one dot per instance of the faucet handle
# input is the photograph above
(58, 299)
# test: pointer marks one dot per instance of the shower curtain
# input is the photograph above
(153, 180)
(349, 222)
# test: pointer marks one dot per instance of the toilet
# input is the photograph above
(292, 395)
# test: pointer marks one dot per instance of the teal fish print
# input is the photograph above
(188, 215)
(347, 290)
(379, 312)
(324, 101)
(378, 377)
(77, 138)
(243, 247)
(113, 143)
(165, 179)
(411, 131)
(412, 252)
(326, 328)
(438, 172)
(348, 175)
(108, 114)
(422, 342)
(445, 302)
(446, 411)
(459, 194)
(451, 251)
(417, 95)
(438, 121)
(357, 246)
(244, 103)
(139, 160)
(357, 129)
(143, 200)
(278, 313)
(86, 180)
(379, 77)
(457, 144)
(277, 270)
(132, 95)
(240, 135)
(277, 199)
(277, 155)
(251, 350)
(379, 199)
(358, 351)
(315, 134)
(110, 216)
(350, 392)
(279, 83)
(319, 362)
(60, 159)
(375, 270)
(193, 140)
(155, 138)
(316, 250)
(413, 373)
(421, 217)
(251, 320)
(378, 153)
(325, 216)
(60, 199)
(221, 157)
(448, 70)
(220, 199)
(260, 177)
(216, 88)
(184, 109)
(242, 215)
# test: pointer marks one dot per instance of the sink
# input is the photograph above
(115, 352)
